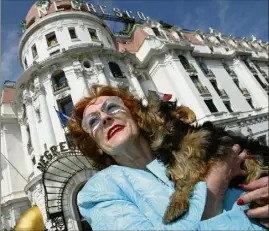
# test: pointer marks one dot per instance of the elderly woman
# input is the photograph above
(132, 191)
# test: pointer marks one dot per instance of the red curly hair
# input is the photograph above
(149, 122)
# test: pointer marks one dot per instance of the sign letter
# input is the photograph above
(56, 5)
(141, 15)
(63, 146)
(90, 7)
(103, 8)
(128, 12)
(117, 12)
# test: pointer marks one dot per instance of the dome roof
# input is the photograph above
(35, 14)
(31, 220)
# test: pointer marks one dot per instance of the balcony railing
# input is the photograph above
(264, 74)
(245, 92)
(203, 90)
(191, 69)
(252, 69)
(223, 94)
(57, 87)
(210, 74)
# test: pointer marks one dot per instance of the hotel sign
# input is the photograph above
(79, 5)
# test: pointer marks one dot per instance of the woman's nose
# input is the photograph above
(106, 119)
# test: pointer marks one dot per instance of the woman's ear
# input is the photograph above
(185, 114)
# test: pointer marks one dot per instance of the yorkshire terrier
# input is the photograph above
(188, 151)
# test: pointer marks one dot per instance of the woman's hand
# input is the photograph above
(219, 178)
(257, 189)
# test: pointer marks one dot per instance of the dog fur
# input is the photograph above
(189, 151)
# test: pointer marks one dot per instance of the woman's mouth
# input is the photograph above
(114, 130)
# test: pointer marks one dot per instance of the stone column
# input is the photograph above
(24, 137)
(100, 74)
(48, 135)
(133, 79)
(81, 86)
(99, 70)
(27, 100)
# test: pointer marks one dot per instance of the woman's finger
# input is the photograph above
(264, 222)
(236, 149)
(261, 193)
(260, 183)
(260, 212)
(242, 156)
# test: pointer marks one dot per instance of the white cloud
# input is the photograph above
(9, 57)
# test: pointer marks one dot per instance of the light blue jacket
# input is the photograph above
(122, 198)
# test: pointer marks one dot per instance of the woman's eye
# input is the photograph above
(93, 122)
(112, 108)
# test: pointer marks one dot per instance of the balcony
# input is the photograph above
(223, 94)
(59, 86)
(263, 73)
(191, 70)
(210, 74)
(203, 91)
(245, 92)
(253, 70)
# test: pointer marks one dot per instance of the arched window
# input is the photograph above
(156, 31)
(184, 62)
(115, 70)
(59, 80)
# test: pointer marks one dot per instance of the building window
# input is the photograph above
(211, 106)
(51, 39)
(215, 85)
(59, 80)
(228, 106)
(236, 83)
(115, 70)
(93, 34)
(72, 33)
(29, 142)
(156, 31)
(33, 160)
(259, 81)
(184, 62)
(66, 106)
(54, 52)
(25, 63)
(204, 67)
(34, 51)
(250, 103)
(262, 140)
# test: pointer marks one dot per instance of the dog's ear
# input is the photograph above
(185, 114)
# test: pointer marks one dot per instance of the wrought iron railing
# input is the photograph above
(190, 68)
(245, 92)
(57, 87)
(223, 93)
(203, 90)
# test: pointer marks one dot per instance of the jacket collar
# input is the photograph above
(159, 170)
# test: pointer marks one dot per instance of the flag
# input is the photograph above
(62, 117)
(161, 96)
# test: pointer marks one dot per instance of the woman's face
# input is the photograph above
(110, 124)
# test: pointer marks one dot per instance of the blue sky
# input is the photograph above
(240, 18)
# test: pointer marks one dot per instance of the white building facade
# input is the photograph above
(66, 47)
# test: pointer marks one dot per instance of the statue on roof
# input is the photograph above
(215, 32)
(43, 4)
(254, 38)
(23, 26)
(77, 3)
